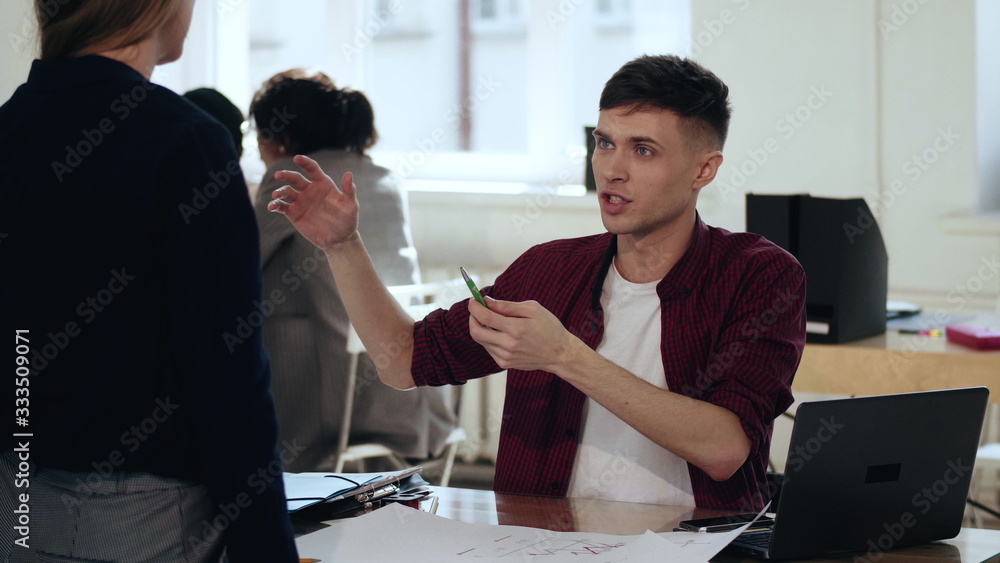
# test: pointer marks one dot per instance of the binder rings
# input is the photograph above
(345, 491)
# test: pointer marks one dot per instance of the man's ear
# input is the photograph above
(710, 163)
(286, 145)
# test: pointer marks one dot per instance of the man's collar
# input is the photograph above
(682, 278)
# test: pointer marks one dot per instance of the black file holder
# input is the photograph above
(840, 247)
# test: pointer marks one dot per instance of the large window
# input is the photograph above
(489, 90)
(502, 89)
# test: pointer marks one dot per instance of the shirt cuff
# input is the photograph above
(745, 405)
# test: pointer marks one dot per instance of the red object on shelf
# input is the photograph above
(978, 337)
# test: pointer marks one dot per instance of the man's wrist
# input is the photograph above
(342, 248)
(570, 358)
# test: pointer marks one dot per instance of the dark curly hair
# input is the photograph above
(307, 112)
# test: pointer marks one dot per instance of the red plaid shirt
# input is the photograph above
(733, 329)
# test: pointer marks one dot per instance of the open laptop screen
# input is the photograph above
(875, 473)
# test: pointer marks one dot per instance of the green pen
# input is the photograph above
(472, 287)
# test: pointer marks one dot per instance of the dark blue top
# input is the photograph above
(129, 251)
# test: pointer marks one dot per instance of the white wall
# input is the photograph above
(988, 108)
(802, 85)
(897, 73)
(18, 44)
(928, 89)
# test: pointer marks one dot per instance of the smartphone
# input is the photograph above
(472, 287)
(724, 523)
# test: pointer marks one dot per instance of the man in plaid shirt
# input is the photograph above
(645, 364)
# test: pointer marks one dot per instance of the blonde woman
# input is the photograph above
(130, 253)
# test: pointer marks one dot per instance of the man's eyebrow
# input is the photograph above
(635, 140)
(643, 141)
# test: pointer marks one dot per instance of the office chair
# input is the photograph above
(417, 300)
(987, 465)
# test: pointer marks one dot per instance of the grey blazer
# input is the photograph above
(306, 331)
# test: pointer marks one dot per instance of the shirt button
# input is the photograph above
(554, 486)
(570, 433)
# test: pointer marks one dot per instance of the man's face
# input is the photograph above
(648, 174)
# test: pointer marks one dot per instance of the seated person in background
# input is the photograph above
(302, 112)
(216, 104)
(645, 364)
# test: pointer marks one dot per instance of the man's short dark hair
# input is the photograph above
(679, 85)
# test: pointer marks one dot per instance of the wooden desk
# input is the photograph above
(897, 363)
(625, 518)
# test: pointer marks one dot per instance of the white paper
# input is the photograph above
(707, 545)
(397, 533)
(816, 327)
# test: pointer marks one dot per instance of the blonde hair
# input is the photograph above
(74, 27)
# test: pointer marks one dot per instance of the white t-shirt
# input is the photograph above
(614, 461)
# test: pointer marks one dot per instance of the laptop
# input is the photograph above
(871, 474)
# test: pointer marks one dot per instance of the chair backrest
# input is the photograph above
(417, 300)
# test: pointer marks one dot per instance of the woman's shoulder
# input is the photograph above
(187, 127)
(366, 172)
(184, 113)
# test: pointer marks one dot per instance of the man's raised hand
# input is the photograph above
(325, 214)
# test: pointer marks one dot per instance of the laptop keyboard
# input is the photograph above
(760, 540)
